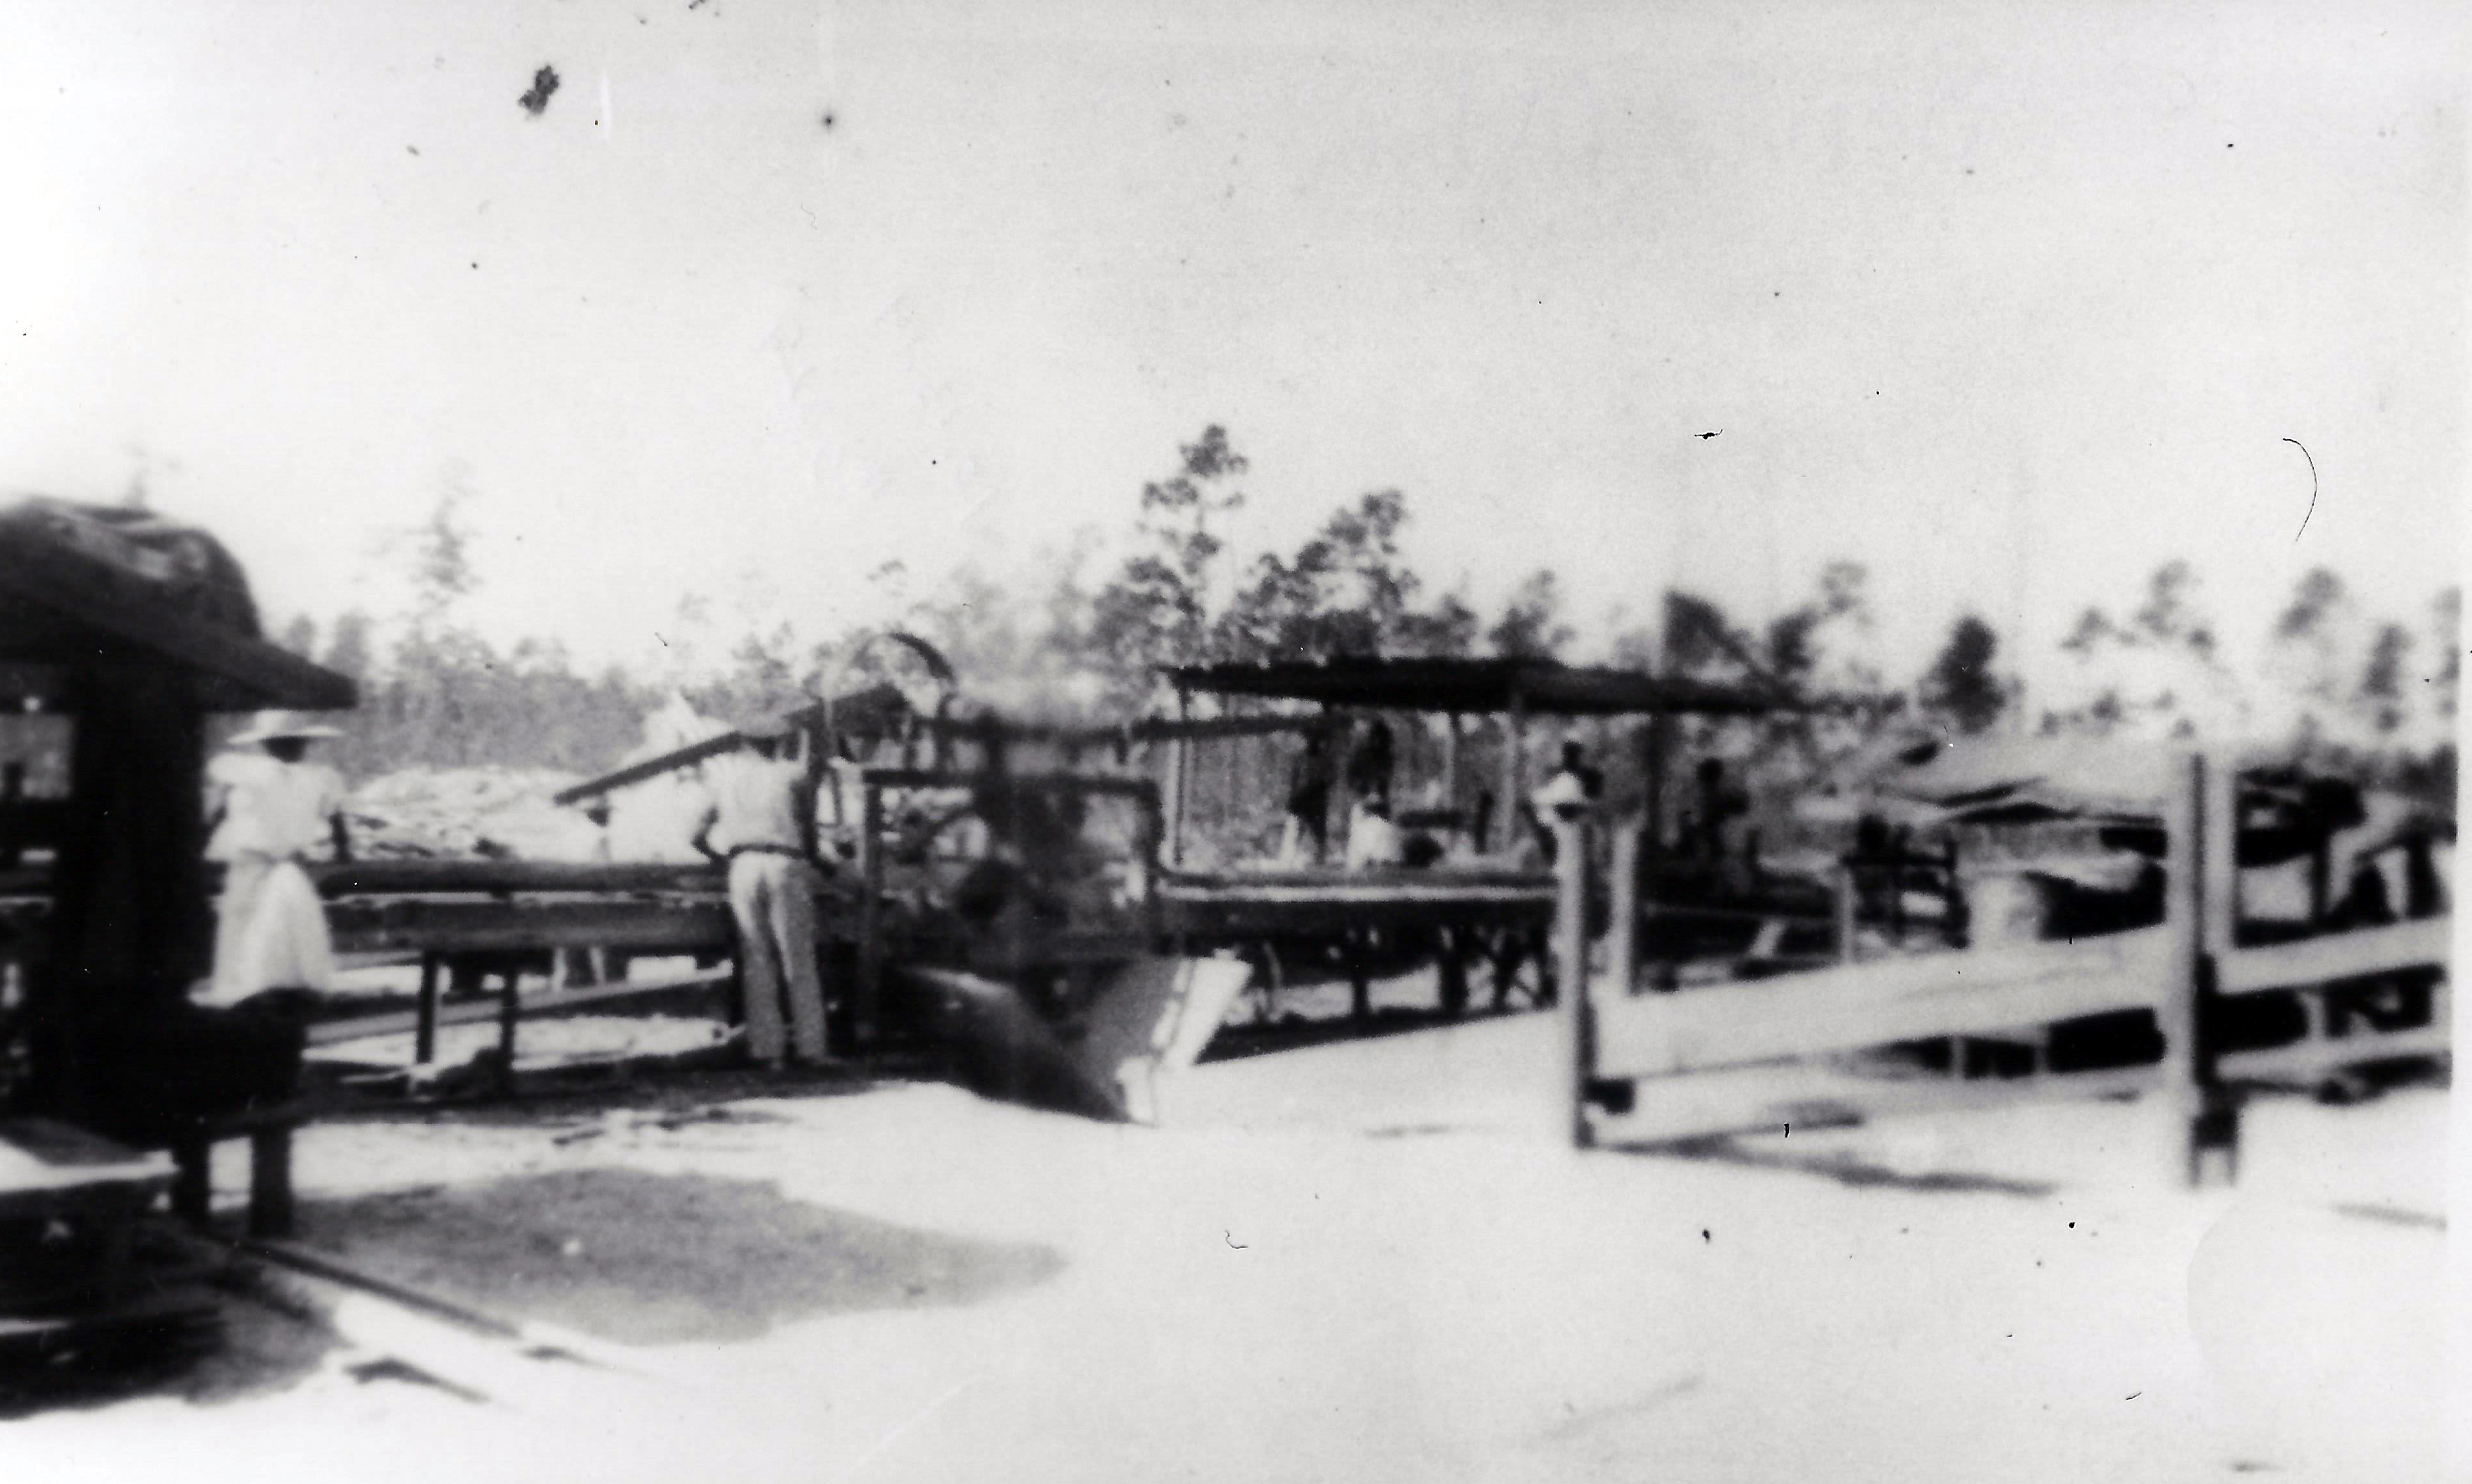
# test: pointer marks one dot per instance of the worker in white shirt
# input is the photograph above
(761, 820)
(270, 809)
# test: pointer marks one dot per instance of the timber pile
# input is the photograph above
(503, 812)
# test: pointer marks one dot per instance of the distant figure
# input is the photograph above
(1369, 768)
(269, 810)
(1373, 839)
(1481, 820)
(1574, 784)
(761, 820)
(1309, 784)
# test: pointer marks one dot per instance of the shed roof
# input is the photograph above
(81, 585)
(1480, 686)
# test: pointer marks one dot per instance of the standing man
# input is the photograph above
(269, 810)
(760, 821)
(1309, 784)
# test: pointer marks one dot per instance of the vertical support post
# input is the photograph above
(193, 1178)
(2218, 1126)
(510, 1007)
(1656, 744)
(424, 1020)
(1451, 763)
(270, 1181)
(1571, 966)
(871, 921)
(1180, 763)
(2218, 863)
(1514, 741)
(1845, 912)
(2182, 1081)
(1622, 935)
(1952, 909)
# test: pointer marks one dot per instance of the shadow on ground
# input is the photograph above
(1846, 1170)
(208, 1344)
(648, 1259)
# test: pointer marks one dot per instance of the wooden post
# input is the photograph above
(2180, 1091)
(1845, 943)
(510, 1007)
(2218, 863)
(1178, 764)
(871, 921)
(1514, 726)
(1622, 937)
(270, 1181)
(1571, 966)
(1451, 763)
(193, 1178)
(424, 1027)
(2216, 1128)
(1952, 909)
(1655, 743)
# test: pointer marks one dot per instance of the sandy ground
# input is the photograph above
(1417, 1283)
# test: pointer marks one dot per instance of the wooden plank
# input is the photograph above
(2311, 1059)
(49, 1168)
(1211, 920)
(1854, 1006)
(1338, 881)
(369, 925)
(566, 1002)
(406, 878)
(2363, 952)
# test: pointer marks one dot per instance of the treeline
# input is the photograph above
(2335, 680)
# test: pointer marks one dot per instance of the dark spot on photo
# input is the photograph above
(544, 85)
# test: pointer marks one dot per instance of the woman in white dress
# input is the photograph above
(270, 808)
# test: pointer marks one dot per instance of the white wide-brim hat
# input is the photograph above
(275, 726)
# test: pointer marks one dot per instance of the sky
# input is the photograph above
(2011, 302)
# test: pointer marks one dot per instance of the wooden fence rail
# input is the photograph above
(1723, 1060)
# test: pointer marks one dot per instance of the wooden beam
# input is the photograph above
(366, 925)
(1907, 998)
(2361, 951)
(540, 1007)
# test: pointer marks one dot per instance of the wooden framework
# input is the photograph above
(1635, 1054)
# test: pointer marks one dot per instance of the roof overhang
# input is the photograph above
(75, 593)
(1480, 686)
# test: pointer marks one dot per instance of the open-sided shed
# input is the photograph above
(134, 629)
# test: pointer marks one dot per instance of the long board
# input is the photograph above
(1861, 1005)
